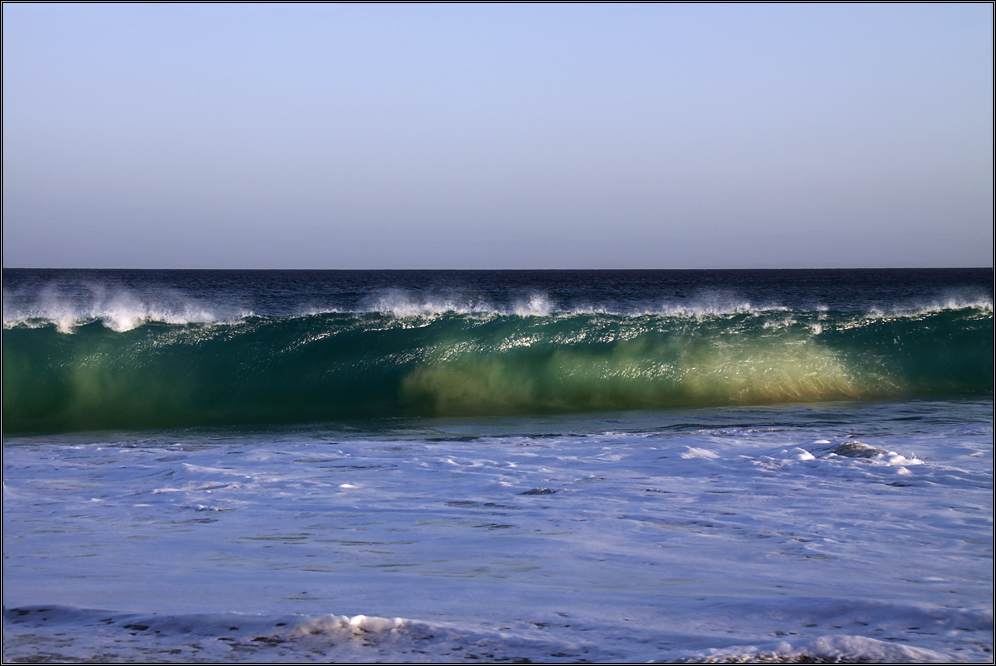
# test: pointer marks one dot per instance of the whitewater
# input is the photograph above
(569, 466)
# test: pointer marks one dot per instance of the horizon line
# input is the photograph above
(790, 268)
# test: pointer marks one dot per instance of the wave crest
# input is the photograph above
(119, 309)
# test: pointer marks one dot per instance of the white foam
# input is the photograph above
(118, 308)
(897, 460)
(609, 546)
(714, 303)
(958, 301)
(402, 303)
(983, 304)
(537, 305)
(693, 452)
(122, 309)
(831, 649)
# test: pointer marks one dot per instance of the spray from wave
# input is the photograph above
(118, 309)
(121, 309)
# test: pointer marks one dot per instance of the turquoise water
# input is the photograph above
(90, 351)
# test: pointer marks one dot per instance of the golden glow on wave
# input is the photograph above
(637, 374)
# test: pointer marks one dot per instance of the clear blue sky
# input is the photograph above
(497, 136)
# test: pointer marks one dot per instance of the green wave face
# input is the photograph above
(331, 366)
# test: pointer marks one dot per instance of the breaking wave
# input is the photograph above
(184, 366)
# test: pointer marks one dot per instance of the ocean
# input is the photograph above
(498, 466)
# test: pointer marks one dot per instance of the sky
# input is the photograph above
(497, 136)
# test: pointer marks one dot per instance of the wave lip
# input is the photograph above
(119, 309)
(123, 301)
